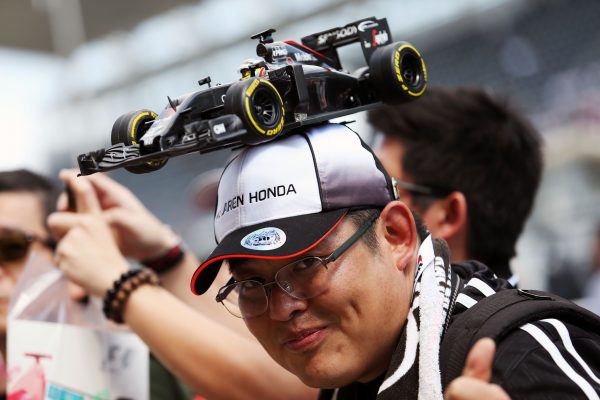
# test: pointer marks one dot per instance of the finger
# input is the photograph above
(116, 216)
(112, 193)
(463, 388)
(106, 189)
(86, 199)
(68, 173)
(480, 359)
(104, 183)
(62, 203)
(76, 292)
(63, 251)
(60, 223)
(58, 255)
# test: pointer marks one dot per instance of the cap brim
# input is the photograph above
(303, 232)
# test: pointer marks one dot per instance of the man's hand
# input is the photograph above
(87, 252)
(139, 234)
(474, 383)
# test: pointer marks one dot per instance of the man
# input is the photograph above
(364, 316)
(26, 199)
(332, 276)
(468, 165)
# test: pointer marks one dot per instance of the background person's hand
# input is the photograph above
(474, 383)
(138, 233)
(87, 252)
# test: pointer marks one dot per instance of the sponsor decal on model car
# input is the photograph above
(380, 38)
(219, 129)
(363, 26)
(279, 51)
(338, 34)
(304, 57)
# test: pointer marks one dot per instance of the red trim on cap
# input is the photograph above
(226, 256)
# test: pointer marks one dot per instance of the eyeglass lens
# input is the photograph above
(13, 244)
(301, 279)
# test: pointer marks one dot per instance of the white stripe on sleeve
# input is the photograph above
(465, 300)
(566, 339)
(481, 286)
(561, 363)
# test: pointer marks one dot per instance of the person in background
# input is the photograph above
(468, 164)
(26, 199)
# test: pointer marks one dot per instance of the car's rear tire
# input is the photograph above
(128, 129)
(258, 104)
(397, 73)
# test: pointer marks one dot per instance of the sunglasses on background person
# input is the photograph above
(421, 190)
(15, 244)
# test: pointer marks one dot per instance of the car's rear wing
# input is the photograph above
(370, 32)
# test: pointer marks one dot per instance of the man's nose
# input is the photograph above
(282, 306)
(6, 281)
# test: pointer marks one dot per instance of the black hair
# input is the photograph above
(22, 180)
(463, 139)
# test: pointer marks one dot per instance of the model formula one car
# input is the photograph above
(290, 86)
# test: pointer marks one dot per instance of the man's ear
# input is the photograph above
(399, 232)
(447, 218)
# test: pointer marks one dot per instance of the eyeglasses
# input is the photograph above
(301, 279)
(416, 189)
(14, 244)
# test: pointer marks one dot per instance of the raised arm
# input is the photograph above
(218, 361)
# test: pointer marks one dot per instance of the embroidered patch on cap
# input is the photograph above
(264, 239)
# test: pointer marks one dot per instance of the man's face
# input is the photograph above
(390, 153)
(19, 211)
(346, 334)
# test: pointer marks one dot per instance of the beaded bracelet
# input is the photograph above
(167, 261)
(116, 297)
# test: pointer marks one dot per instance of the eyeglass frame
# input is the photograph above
(225, 290)
(417, 189)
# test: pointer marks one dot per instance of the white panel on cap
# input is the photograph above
(348, 173)
(267, 182)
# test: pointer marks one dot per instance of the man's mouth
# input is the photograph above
(304, 339)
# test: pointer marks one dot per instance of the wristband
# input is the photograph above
(116, 297)
(167, 261)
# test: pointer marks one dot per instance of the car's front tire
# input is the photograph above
(128, 129)
(260, 107)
